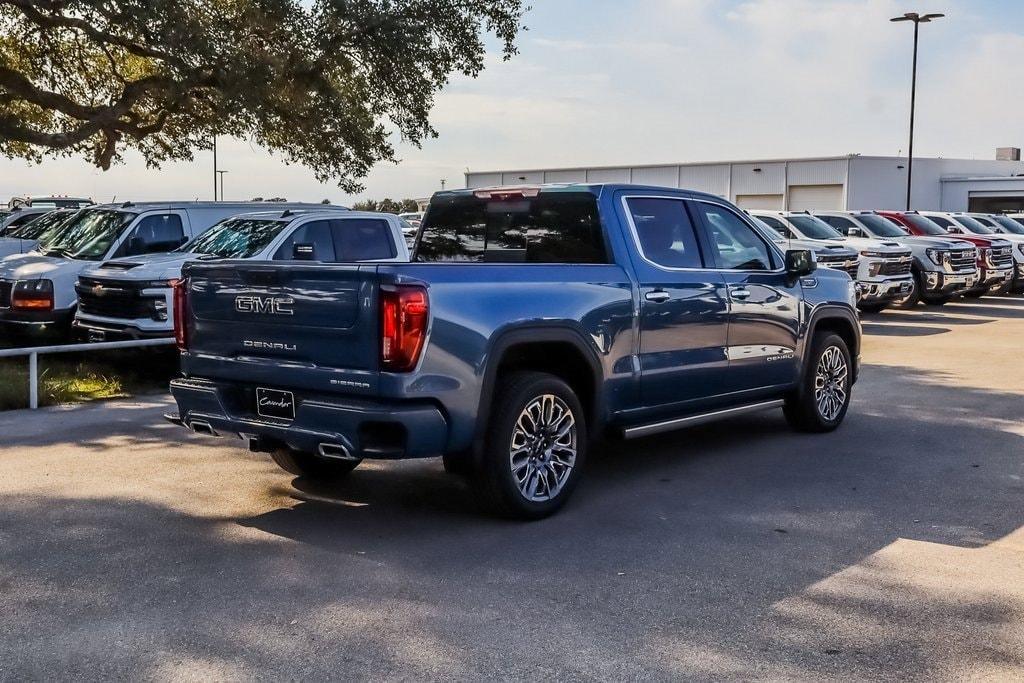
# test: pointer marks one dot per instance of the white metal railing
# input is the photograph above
(33, 353)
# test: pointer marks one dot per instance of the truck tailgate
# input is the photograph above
(300, 316)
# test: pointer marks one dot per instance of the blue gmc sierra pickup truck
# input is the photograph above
(531, 322)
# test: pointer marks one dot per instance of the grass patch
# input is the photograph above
(80, 377)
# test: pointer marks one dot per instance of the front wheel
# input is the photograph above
(535, 447)
(821, 401)
(310, 466)
(913, 297)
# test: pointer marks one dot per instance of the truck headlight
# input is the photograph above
(938, 256)
(872, 254)
(32, 295)
(157, 284)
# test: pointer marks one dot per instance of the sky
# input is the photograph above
(616, 82)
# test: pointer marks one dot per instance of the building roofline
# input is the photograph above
(726, 162)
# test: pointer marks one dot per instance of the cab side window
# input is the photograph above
(317, 234)
(942, 222)
(736, 245)
(362, 239)
(154, 234)
(665, 232)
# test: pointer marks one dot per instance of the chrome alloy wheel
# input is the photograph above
(830, 383)
(543, 448)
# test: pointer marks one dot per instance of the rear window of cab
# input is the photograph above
(551, 227)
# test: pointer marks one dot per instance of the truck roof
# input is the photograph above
(596, 189)
(261, 206)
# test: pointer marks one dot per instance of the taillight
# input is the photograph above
(180, 289)
(403, 323)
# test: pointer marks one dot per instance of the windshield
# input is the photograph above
(880, 227)
(40, 225)
(235, 238)
(89, 234)
(814, 228)
(1009, 225)
(973, 225)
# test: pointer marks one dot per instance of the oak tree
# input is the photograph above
(324, 83)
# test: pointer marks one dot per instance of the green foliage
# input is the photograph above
(322, 82)
(386, 205)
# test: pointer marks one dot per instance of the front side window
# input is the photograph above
(665, 232)
(154, 234)
(941, 221)
(551, 227)
(236, 238)
(1009, 225)
(778, 226)
(316, 234)
(838, 222)
(362, 239)
(736, 245)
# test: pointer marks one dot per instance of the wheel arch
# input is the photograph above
(838, 320)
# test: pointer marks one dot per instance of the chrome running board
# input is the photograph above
(698, 419)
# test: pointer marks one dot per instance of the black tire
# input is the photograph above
(493, 477)
(975, 294)
(802, 408)
(873, 308)
(914, 297)
(935, 300)
(310, 466)
(458, 464)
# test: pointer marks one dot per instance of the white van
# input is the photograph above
(37, 289)
(131, 298)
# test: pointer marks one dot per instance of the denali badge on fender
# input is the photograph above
(272, 305)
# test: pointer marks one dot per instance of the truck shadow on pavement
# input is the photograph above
(735, 550)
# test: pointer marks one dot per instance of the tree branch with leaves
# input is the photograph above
(324, 84)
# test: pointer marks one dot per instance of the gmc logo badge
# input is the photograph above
(270, 305)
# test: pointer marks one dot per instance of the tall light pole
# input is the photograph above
(214, 168)
(918, 19)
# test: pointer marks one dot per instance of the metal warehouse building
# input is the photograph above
(847, 182)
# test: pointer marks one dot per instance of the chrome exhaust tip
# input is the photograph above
(334, 451)
(200, 427)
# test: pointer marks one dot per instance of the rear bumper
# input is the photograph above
(365, 428)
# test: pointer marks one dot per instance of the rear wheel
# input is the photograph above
(310, 466)
(821, 401)
(535, 447)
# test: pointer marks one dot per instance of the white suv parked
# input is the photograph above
(132, 298)
(884, 273)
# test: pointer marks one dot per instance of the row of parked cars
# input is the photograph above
(524, 324)
(104, 272)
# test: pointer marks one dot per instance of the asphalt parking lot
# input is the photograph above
(893, 548)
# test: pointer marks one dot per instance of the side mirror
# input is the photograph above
(953, 230)
(853, 232)
(800, 262)
(303, 252)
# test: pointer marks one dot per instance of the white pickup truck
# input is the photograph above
(131, 298)
(37, 289)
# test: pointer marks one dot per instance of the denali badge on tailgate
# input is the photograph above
(264, 304)
(275, 403)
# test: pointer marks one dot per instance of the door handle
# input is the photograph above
(658, 296)
(740, 293)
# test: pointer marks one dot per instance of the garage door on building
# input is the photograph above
(769, 202)
(815, 197)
